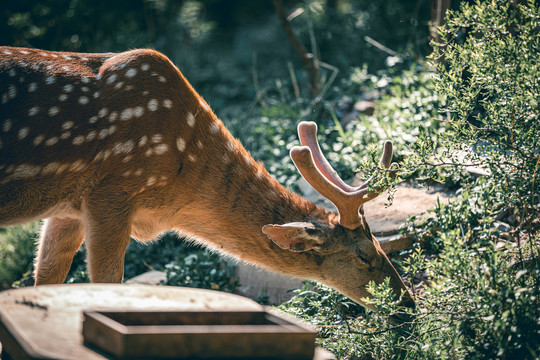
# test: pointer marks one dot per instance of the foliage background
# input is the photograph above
(474, 267)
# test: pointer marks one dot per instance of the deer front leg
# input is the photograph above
(59, 241)
(107, 237)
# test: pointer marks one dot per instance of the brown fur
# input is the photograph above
(111, 145)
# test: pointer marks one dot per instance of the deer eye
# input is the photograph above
(363, 257)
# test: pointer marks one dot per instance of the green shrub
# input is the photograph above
(475, 267)
(17, 248)
(202, 269)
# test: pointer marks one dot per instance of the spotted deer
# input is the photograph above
(108, 146)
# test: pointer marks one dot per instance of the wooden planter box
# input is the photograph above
(198, 335)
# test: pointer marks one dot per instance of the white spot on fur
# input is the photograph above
(67, 57)
(126, 114)
(38, 140)
(111, 79)
(78, 140)
(66, 68)
(103, 112)
(128, 146)
(68, 88)
(145, 67)
(91, 135)
(25, 52)
(54, 111)
(226, 158)
(77, 166)
(117, 148)
(119, 85)
(151, 181)
(161, 149)
(143, 140)
(131, 73)
(93, 120)
(33, 111)
(214, 127)
(181, 144)
(103, 134)
(153, 105)
(6, 126)
(126, 173)
(7, 52)
(138, 172)
(67, 125)
(192, 158)
(12, 91)
(23, 132)
(65, 135)
(199, 144)
(96, 95)
(50, 80)
(12, 73)
(50, 168)
(83, 100)
(190, 119)
(26, 171)
(162, 79)
(4, 98)
(167, 103)
(157, 138)
(52, 141)
(85, 80)
(32, 87)
(112, 129)
(84, 89)
(63, 97)
(203, 105)
(138, 111)
(113, 116)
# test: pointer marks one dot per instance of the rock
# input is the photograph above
(407, 201)
(385, 220)
(256, 283)
(153, 277)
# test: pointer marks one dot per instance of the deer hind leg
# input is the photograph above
(107, 238)
(59, 241)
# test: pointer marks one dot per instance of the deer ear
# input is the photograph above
(297, 237)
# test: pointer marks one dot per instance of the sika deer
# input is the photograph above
(105, 146)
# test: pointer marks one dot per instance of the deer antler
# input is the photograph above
(314, 167)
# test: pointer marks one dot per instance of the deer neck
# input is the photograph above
(235, 198)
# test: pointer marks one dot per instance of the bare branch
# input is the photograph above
(310, 61)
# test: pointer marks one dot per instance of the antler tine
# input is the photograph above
(386, 161)
(307, 131)
(314, 167)
(347, 209)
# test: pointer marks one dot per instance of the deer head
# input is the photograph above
(347, 249)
